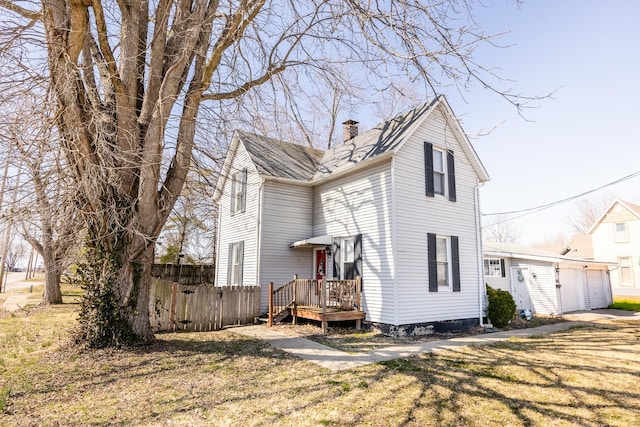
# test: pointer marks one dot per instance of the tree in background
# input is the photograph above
(46, 213)
(130, 77)
(499, 228)
(587, 211)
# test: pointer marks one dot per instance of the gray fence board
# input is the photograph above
(201, 307)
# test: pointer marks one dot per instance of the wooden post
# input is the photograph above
(323, 299)
(295, 299)
(172, 306)
(270, 321)
(358, 300)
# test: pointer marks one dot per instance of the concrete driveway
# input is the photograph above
(601, 314)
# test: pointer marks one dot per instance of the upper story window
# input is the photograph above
(439, 168)
(620, 230)
(494, 267)
(239, 191)
(438, 172)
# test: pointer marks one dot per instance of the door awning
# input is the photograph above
(312, 242)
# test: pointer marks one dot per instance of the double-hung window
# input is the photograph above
(236, 261)
(439, 169)
(347, 257)
(494, 267)
(438, 172)
(626, 274)
(620, 230)
(239, 191)
(443, 262)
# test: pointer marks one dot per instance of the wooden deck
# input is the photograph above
(321, 300)
(330, 315)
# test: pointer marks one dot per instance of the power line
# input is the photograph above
(568, 199)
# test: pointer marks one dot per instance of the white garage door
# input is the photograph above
(598, 295)
(570, 290)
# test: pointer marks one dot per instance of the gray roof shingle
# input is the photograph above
(281, 159)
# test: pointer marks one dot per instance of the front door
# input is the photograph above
(321, 264)
(521, 288)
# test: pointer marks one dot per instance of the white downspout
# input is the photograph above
(482, 291)
(394, 237)
(259, 232)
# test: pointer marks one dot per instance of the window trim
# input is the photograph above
(440, 173)
(447, 173)
(630, 269)
(625, 239)
(453, 263)
(235, 263)
(447, 262)
(500, 269)
(239, 191)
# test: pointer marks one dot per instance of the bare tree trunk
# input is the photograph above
(52, 273)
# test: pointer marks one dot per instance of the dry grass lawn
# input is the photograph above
(586, 376)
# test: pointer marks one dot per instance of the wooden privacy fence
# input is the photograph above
(174, 306)
(185, 274)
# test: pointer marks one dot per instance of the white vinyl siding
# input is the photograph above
(287, 212)
(239, 227)
(417, 215)
(542, 285)
(361, 204)
(606, 248)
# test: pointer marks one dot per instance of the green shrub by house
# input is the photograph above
(501, 307)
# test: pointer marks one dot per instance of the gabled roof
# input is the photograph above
(281, 159)
(634, 209)
(388, 137)
(277, 159)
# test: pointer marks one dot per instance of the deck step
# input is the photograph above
(282, 315)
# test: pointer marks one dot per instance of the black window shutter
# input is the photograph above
(455, 263)
(233, 194)
(243, 202)
(336, 258)
(502, 270)
(241, 262)
(229, 264)
(433, 263)
(428, 169)
(357, 255)
(451, 176)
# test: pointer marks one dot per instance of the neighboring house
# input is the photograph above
(545, 282)
(615, 237)
(396, 205)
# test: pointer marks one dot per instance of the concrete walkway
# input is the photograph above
(15, 302)
(337, 360)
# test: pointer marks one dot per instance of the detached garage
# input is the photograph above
(544, 282)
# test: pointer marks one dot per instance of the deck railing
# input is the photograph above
(339, 294)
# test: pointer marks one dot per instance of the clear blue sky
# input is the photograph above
(587, 135)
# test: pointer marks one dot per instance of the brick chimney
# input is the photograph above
(349, 129)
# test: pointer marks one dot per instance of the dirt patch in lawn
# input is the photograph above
(346, 338)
